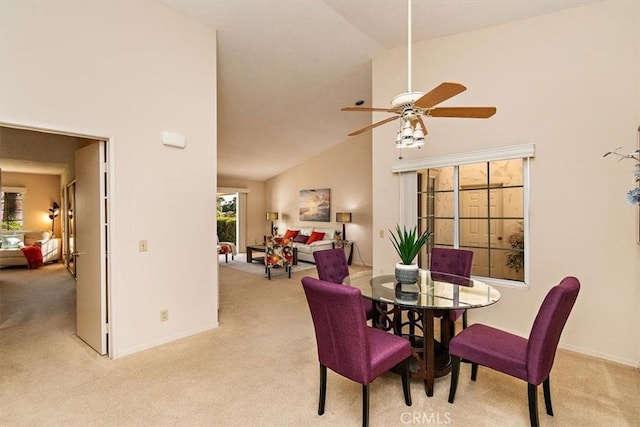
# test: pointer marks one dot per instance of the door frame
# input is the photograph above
(111, 287)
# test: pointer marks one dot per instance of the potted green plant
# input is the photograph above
(408, 243)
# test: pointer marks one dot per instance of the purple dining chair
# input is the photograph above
(528, 359)
(332, 267)
(347, 345)
(452, 261)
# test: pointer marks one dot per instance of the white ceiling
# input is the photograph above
(286, 67)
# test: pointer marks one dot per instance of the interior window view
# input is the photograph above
(11, 210)
(479, 207)
(319, 213)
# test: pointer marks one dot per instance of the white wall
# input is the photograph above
(346, 170)
(569, 83)
(128, 72)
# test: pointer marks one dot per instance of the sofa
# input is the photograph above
(11, 243)
(322, 239)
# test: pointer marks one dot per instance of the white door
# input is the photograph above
(90, 247)
(475, 233)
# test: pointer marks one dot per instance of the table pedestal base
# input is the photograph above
(431, 358)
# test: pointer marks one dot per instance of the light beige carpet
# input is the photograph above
(259, 368)
(257, 268)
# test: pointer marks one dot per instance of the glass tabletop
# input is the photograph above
(433, 290)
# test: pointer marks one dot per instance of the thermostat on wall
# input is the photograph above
(173, 139)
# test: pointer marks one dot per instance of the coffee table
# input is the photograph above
(255, 248)
(262, 248)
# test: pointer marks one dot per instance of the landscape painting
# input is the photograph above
(315, 205)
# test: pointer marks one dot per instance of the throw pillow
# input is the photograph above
(13, 241)
(291, 233)
(314, 237)
(300, 238)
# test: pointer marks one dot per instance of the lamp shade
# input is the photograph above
(272, 216)
(343, 216)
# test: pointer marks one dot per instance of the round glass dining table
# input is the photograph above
(415, 306)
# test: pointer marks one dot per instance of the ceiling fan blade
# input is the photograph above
(441, 93)
(380, 123)
(388, 110)
(467, 112)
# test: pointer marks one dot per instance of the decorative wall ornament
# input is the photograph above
(633, 195)
(315, 205)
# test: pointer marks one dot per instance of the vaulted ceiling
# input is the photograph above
(285, 67)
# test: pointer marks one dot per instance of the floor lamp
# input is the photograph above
(54, 211)
(343, 217)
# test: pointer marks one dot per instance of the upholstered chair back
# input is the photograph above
(331, 265)
(279, 252)
(547, 327)
(452, 261)
(339, 322)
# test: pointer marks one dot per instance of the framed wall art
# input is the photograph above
(315, 205)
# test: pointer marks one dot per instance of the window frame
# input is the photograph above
(525, 152)
(18, 190)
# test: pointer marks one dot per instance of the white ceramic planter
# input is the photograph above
(406, 273)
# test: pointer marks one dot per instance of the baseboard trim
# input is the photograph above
(163, 340)
(599, 355)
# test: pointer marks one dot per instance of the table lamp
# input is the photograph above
(272, 216)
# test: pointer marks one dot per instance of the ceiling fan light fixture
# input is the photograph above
(411, 106)
(407, 134)
(418, 136)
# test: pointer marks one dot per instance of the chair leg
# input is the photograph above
(289, 271)
(365, 405)
(455, 372)
(474, 371)
(406, 383)
(464, 320)
(323, 388)
(533, 404)
(547, 396)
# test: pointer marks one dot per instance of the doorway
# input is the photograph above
(227, 217)
(26, 148)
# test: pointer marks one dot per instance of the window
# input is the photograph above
(479, 202)
(11, 208)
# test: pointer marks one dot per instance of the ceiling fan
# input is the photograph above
(411, 106)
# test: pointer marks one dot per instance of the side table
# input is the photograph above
(347, 245)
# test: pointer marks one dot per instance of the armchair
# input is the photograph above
(278, 253)
(226, 248)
